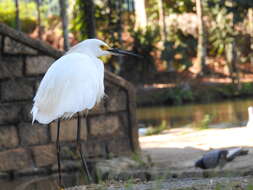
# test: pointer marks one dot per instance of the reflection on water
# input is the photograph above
(225, 114)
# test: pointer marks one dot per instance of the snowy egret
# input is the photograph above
(73, 83)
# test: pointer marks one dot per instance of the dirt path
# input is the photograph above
(178, 149)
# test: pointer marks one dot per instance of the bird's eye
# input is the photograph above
(104, 48)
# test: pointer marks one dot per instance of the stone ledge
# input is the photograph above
(14, 47)
(23, 38)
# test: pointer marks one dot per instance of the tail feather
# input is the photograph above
(34, 113)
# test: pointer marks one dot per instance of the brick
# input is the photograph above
(97, 109)
(95, 149)
(17, 90)
(11, 67)
(26, 111)
(104, 125)
(119, 147)
(116, 99)
(38, 64)
(44, 155)
(14, 47)
(15, 159)
(68, 130)
(8, 137)
(30, 135)
(69, 151)
(9, 113)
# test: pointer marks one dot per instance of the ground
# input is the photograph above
(178, 149)
(174, 152)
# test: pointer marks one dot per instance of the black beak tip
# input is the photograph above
(124, 52)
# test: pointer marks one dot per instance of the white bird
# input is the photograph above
(73, 83)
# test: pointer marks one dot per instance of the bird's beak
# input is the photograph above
(116, 51)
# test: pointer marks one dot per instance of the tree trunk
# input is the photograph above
(232, 58)
(17, 19)
(162, 23)
(201, 51)
(250, 15)
(140, 14)
(88, 8)
(119, 28)
(38, 18)
(64, 18)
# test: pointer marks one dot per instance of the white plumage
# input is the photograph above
(73, 83)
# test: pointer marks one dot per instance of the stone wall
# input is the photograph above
(108, 130)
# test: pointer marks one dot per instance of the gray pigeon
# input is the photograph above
(219, 158)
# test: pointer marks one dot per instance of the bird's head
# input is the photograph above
(98, 48)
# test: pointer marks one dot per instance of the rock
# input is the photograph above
(116, 168)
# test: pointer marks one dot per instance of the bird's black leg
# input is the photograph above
(58, 147)
(79, 147)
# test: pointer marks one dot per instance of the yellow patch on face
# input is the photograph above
(104, 48)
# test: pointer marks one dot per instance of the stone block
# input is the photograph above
(26, 111)
(15, 159)
(69, 151)
(9, 113)
(68, 130)
(104, 125)
(118, 147)
(37, 64)
(95, 149)
(17, 90)
(11, 67)
(8, 137)
(31, 135)
(14, 47)
(116, 99)
(98, 108)
(44, 155)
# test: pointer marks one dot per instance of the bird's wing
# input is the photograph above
(71, 84)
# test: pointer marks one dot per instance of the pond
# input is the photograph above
(231, 113)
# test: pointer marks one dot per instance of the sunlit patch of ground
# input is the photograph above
(178, 149)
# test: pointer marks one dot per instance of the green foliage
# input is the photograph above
(222, 32)
(179, 6)
(144, 44)
(204, 123)
(179, 95)
(27, 14)
(179, 50)
(157, 129)
(249, 187)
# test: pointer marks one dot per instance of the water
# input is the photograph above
(232, 113)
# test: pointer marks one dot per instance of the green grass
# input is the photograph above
(157, 129)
